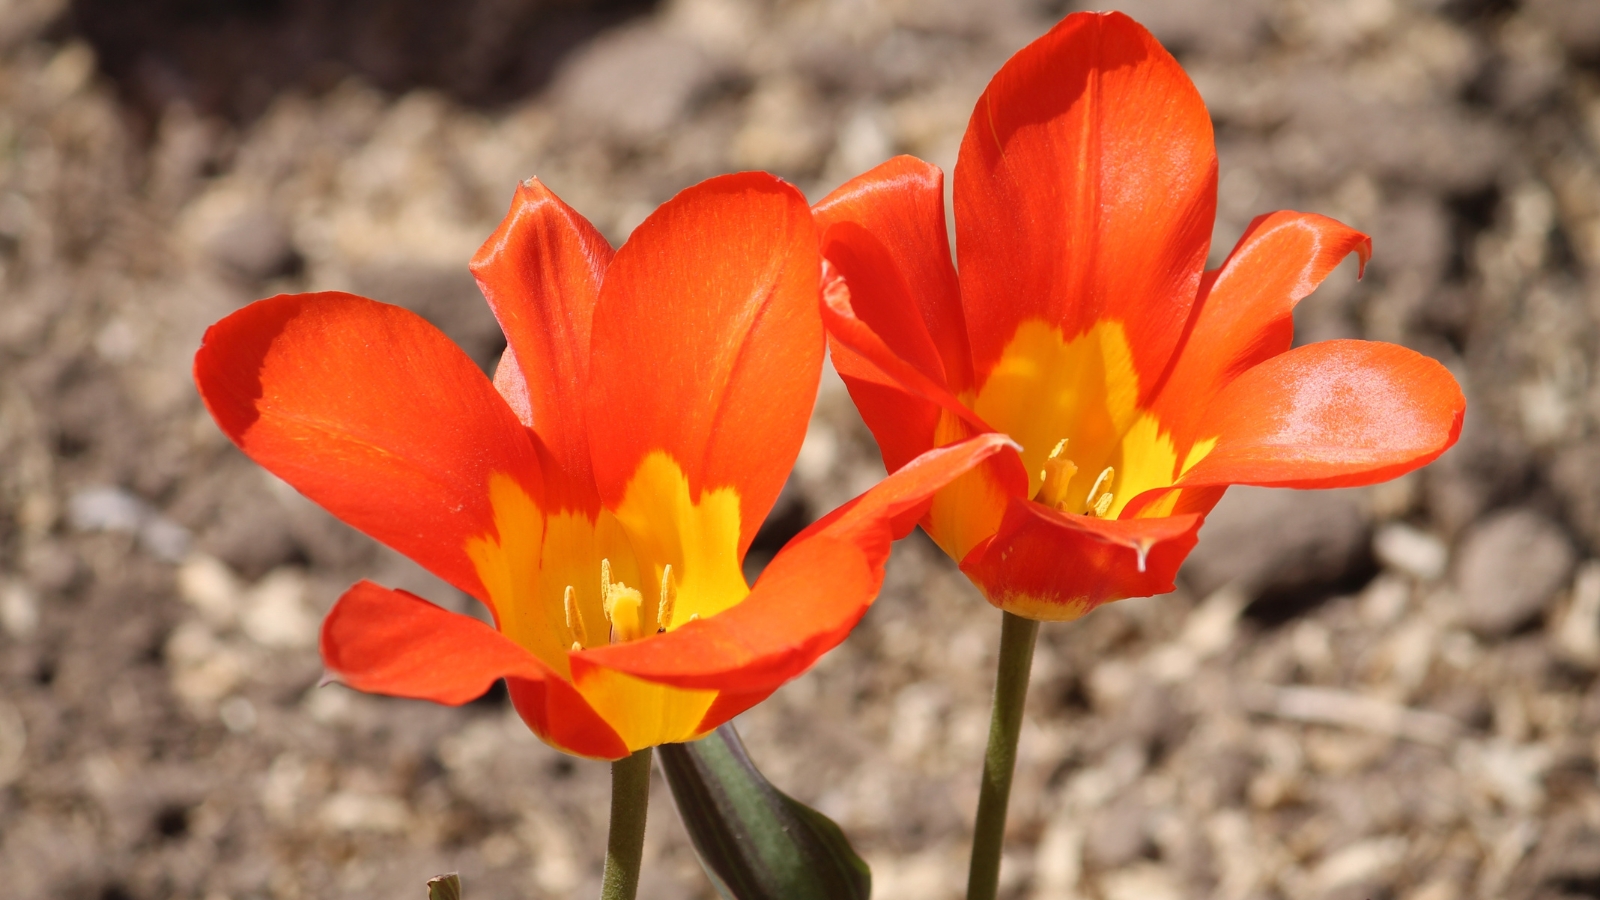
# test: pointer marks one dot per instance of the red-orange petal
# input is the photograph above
(541, 271)
(372, 413)
(1245, 312)
(384, 641)
(1053, 566)
(913, 394)
(391, 642)
(807, 599)
(1330, 414)
(885, 232)
(1085, 191)
(708, 342)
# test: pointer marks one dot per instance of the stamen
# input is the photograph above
(580, 634)
(1103, 505)
(1106, 475)
(1055, 477)
(1100, 504)
(669, 598)
(576, 646)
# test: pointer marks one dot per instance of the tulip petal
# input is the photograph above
(885, 232)
(1330, 414)
(808, 598)
(1054, 566)
(372, 413)
(541, 271)
(708, 343)
(392, 642)
(861, 355)
(1245, 312)
(385, 641)
(1085, 191)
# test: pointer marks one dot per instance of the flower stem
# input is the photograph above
(630, 801)
(1017, 636)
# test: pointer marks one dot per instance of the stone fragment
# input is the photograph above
(254, 245)
(1508, 568)
(1117, 835)
(1271, 541)
(19, 610)
(634, 82)
(276, 614)
(1411, 551)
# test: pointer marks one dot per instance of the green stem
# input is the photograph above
(630, 801)
(1017, 636)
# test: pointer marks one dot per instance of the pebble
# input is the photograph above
(19, 610)
(207, 584)
(1411, 551)
(1509, 567)
(276, 614)
(634, 82)
(114, 509)
(254, 245)
(1271, 540)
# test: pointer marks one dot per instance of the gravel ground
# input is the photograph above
(1386, 693)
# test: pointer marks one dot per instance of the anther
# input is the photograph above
(1103, 506)
(574, 618)
(669, 598)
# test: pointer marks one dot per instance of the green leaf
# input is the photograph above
(755, 841)
(444, 887)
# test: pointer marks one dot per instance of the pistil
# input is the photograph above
(1055, 477)
(623, 607)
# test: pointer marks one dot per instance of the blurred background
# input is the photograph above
(1384, 693)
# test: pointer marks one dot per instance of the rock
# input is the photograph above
(1508, 569)
(634, 82)
(1576, 477)
(114, 509)
(1416, 553)
(254, 245)
(1279, 541)
(19, 610)
(1117, 835)
(276, 614)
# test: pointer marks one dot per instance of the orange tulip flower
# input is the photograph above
(1082, 323)
(601, 494)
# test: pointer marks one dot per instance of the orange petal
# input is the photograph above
(885, 232)
(393, 642)
(1053, 566)
(372, 413)
(708, 343)
(1330, 414)
(1085, 191)
(541, 272)
(1245, 311)
(902, 399)
(808, 598)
